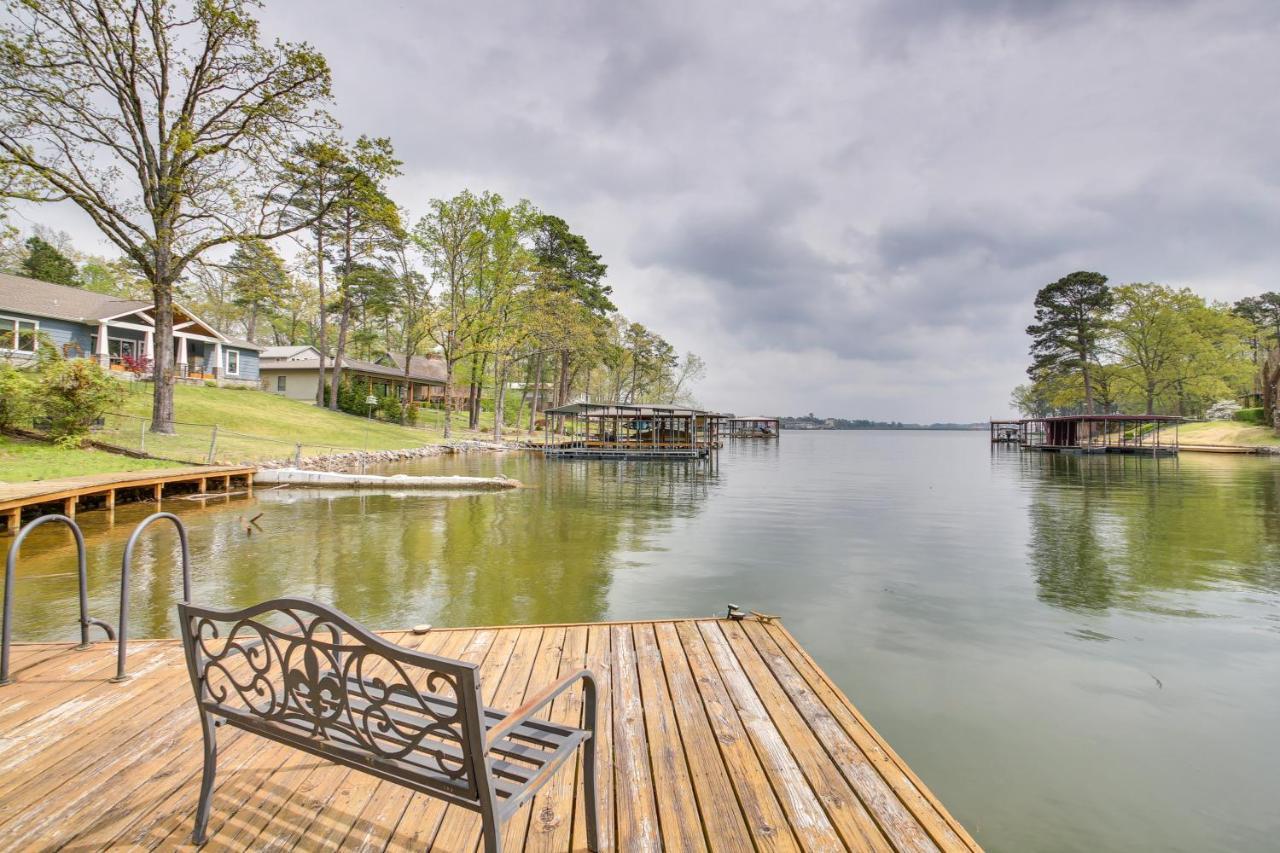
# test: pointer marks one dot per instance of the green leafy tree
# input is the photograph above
(258, 280)
(163, 121)
(74, 393)
(1070, 319)
(45, 262)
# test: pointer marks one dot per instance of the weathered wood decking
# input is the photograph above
(68, 491)
(716, 735)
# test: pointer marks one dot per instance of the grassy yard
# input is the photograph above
(1227, 433)
(254, 425)
(23, 460)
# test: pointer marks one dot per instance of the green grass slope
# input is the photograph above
(23, 460)
(254, 425)
(1227, 433)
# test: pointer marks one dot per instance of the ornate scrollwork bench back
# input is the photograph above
(301, 673)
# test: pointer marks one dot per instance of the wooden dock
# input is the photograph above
(67, 493)
(715, 735)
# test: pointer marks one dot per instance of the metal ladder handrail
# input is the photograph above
(10, 569)
(122, 650)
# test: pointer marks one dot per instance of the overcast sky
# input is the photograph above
(845, 208)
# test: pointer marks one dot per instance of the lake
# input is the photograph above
(1073, 653)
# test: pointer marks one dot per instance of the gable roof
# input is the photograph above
(290, 352)
(422, 367)
(42, 299)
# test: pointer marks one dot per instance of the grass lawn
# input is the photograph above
(23, 460)
(254, 425)
(1227, 432)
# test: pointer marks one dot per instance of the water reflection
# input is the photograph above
(545, 553)
(1122, 531)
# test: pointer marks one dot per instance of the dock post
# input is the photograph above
(204, 485)
(158, 491)
(15, 520)
(226, 483)
(69, 507)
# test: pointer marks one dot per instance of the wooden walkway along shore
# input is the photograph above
(67, 492)
(714, 735)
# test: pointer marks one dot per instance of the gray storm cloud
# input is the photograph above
(845, 208)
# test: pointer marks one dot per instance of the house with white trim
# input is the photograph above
(118, 333)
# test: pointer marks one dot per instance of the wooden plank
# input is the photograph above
(552, 812)
(546, 668)
(848, 815)
(678, 816)
(637, 810)
(875, 746)
(600, 662)
(807, 817)
(722, 818)
(766, 819)
(895, 820)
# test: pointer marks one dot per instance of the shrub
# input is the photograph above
(19, 396)
(74, 393)
(1251, 416)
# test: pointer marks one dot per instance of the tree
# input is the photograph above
(1070, 318)
(449, 238)
(576, 270)
(365, 223)
(258, 280)
(45, 262)
(312, 182)
(164, 121)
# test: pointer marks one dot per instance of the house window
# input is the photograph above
(280, 383)
(18, 335)
(233, 363)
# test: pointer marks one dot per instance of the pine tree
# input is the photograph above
(1070, 318)
(45, 263)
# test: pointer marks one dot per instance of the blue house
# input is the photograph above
(118, 333)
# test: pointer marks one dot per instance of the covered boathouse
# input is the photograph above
(1150, 435)
(630, 431)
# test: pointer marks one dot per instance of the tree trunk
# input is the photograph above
(537, 392)
(343, 325)
(1088, 383)
(499, 395)
(162, 359)
(253, 323)
(324, 326)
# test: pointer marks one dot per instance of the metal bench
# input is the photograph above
(303, 674)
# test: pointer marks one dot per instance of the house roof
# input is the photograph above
(287, 352)
(422, 367)
(42, 299)
(353, 364)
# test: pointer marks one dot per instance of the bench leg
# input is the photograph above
(589, 793)
(492, 831)
(206, 781)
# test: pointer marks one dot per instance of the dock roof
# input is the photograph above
(624, 410)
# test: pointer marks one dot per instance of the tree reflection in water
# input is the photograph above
(1124, 531)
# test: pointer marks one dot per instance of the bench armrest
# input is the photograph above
(508, 723)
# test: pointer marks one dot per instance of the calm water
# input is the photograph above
(1075, 654)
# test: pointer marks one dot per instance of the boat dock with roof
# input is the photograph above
(631, 431)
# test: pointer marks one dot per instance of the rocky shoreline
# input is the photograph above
(356, 460)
